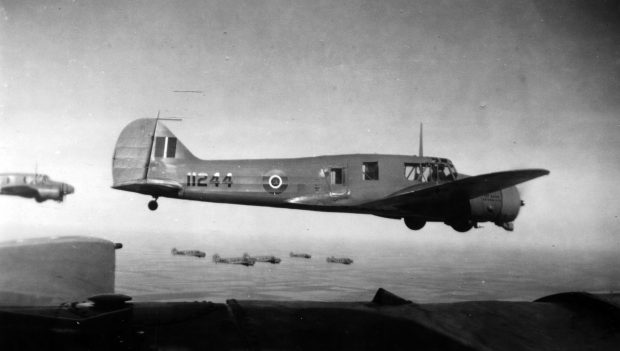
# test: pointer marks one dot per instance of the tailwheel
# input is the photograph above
(153, 204)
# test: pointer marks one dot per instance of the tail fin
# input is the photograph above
(144, 150)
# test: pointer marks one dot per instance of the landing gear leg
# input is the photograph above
(153, 204)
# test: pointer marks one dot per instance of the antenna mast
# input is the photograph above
(421, 141)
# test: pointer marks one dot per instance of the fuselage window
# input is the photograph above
(370, 170)
(335, 176)
(160, 145)
(172, 147)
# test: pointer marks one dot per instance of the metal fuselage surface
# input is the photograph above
(298, 183)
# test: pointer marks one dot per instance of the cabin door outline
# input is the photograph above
(338, 180)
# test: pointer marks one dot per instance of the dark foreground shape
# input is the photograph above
(48, 271)
(36, 273)
(570, 321)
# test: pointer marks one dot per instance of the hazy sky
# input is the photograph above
(498, 84)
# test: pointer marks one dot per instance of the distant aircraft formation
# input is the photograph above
(149, 159)
(33, 185)
(248, 260)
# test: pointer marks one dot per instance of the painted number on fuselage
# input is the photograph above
(202, 179)
(199, 179)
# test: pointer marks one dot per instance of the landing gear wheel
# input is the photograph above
(414, 224)
(153, 205)
(462, 226)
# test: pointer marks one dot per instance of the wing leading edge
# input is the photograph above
(470, 187)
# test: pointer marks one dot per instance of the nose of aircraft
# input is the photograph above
(67, 188)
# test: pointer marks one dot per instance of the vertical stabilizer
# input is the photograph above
(133, 151)
(147, 149)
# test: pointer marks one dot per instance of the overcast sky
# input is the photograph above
(498, 84)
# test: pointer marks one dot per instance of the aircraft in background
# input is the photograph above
(149, 159)
(34, 185)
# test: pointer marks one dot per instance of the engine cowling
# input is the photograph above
(49, 194)
(500, 207)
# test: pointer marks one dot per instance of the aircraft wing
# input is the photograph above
(470, 187)
(155, 187)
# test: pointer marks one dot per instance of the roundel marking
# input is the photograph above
(275, 182)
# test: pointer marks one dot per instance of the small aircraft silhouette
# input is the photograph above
(33, 185)
(150, 160)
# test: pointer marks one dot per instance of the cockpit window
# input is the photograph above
(429, 172)
(444, 172)
(412, 171)
(370, 170)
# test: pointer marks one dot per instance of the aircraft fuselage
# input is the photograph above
(325, 183)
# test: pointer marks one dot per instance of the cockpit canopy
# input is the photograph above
(37, 179)
(430, 170)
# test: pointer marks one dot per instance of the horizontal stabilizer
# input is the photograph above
(469, 188)
(154, 187)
